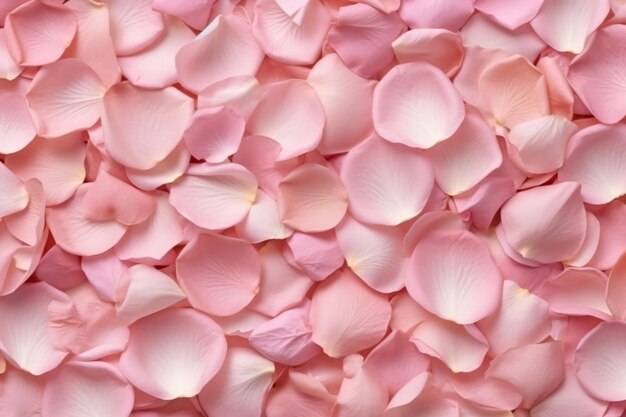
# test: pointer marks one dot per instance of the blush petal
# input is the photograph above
(28, 224)
(416, 105)
(214, 133)
(439, 47)
(169, 360)
(14, 196)
(510, 16)
(362, 393)
(172, 167)
(9, 69)
(242, 93)
(444, 14)
(318, 254)
(301, 396)
(616, 289)
(16, 126)
(134, 25)
(195, 13)
(21, 393)
(612, 239)
(263, 221)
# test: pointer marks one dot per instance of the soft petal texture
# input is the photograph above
(225, 191)
(513, 91)
(387, 183)
(346, 316)
(93, 44)
(195, 13)
(291, 32)
(302, 395)
(141, 127)
(578, 291)
(312, 198)
(565, 25)
(545, 224)
(439, 47)
(24, 337)
(13, 195)
(240, 386)
(539, 144)
(20, 394)
(362, 38)
(600, 364)
(362, 393)
(75, 233)
(169, 360)
(263, 221)
(219, 274)
(145, 291)
(559, 89)
(485, 392)
(595, 159)
(341, 91)
(103, 272)
(287, 337)
(444, 14)
(616, 289)
(60, 269)
(9, 69)
(28, 224)
(406, 313)
(535, 370)
(590, 245)
(416, 105)
(467, 157)
(290, 113)
(373, 253)
(508, 14)
(214, 133)
(58, 164)
(241, 93)
(428, 222)
(165, 172)
(38, 32)
(155, 66)
(64, 97)
(225, 49)
(318, 254)
(448, 271)
(16, 126)
(134, 25)
(92, 388)
(419, 397)
(523, 318)
(612, 242)
(597, 75)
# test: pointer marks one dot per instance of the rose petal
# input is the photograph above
(509, 15)
(439, 47)
(16, 126)
(263, 221)
(578, 291)
(214, 133)
(444, 14)
(134, 25)
(14, 196)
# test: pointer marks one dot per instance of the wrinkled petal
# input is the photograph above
(577, 291)
(444, 14)
(362, 393)
(214, 134)
(134, 25)
(318, 254)
(103, 272)
(417, 398)
(559, 90)
(169, 360)
(16, 126)
(439, 47)
(301, 396)
(60, 269)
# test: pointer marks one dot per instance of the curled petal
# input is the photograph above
(448, 271)
(263, 221)
(169, 360)
(612, 240)
(420, 397)
(559, 89)
(406, 313)
(439, 47)
(103, 272)
(9, 69)
(578, 291)
(444, 14)
(195, 13)
(616, 289)
(14, 196)
(415, 104)
(165, 172)
(214, 134)
(362, 393)
(241, 93)
(509, 15)
(219, 274)
(134, 25)
(318, 254)
(60, 269)
(28, 225)
(301, 396)
(590, 245)
(16, 126)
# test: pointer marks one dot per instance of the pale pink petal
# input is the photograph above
(103, 272)
(154, 237)
(24, 337)
(145, 291)
(28, 225)
(406, 313)
(510, 15)
(58, 164)
(226, 48)
(16, 126)
(225, 192)
(14, 196)
(290, 113)
(287, 337)
(318, 254)
(347, 316)
(60, 269)
(64, 97)
(92, 44)
(73, 232)
(597, 75)
(142, 127)
(134, 25)
(461, 348)
(560, 92)
(19, 261)
(569, 399)
(311, 198)
(20, 394)
(578, 291)
(600, 364)
(443, 14)
(241, 93)
(240, 386)
(420, 397)
(263, 221)
(9, 69)
(38, 32)
(590, 245)
(110, 198)
(291, 32)
(373, 253)
(300, 396)
(415, 104)
(595, 159)
(362, 393)
(467, 157)
(155, 66)
(167, 171)
(535, 370)
(87, 388)
(538, 145)
(386, 6)
(214, 133)
(282, 285)
(241, 323)
(513, 91)
(396, 360)
(428, 222)
(342, 92)
(219, 274)
(612, 241)
(523, 318)
(439, 47)
(546, 224)
(169, 360)
(195, 13)
(565, 25)
(616, 289)
(387, 183)
(362, 37)
(448, 271)
(486, 392)
(483, 201)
